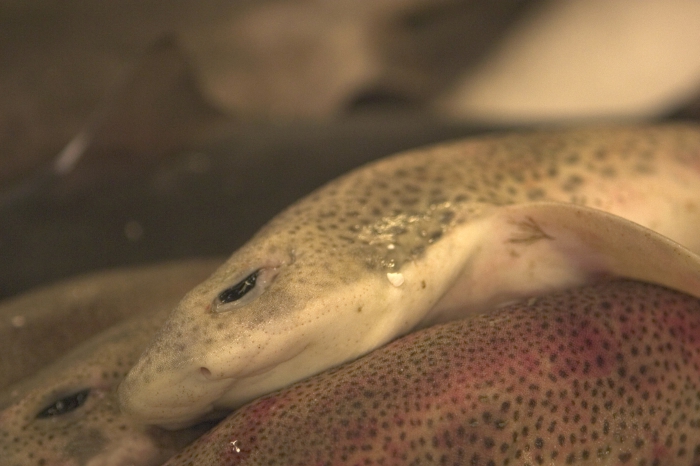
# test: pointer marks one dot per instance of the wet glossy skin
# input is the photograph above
(415, 239)
(607, 374)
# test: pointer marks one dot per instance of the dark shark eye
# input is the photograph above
(65, 405)
(244, 291)
(240, 289)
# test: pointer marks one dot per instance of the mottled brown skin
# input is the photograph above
(607, 374)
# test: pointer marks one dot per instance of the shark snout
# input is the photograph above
(172, 400)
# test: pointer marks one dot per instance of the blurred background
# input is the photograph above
(139, 131)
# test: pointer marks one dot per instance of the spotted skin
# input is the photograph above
(420, 238)
(606, 374)
(412, 200)
(62, 315)
(94, 432)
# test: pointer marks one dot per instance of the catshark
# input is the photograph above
(67, 413)
(421, 238)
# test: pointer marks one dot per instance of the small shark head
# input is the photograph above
(268, 316)
(307, 292)
(67, 414)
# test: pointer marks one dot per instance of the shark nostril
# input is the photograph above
(205, 372)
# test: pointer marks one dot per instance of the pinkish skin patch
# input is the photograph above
(595, 388)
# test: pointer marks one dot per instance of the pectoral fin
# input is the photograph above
(534, 249)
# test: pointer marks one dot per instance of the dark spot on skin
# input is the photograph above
(572, 183)
(535, 194)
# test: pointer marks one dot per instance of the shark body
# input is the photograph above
(420, 238)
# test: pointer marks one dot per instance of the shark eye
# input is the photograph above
(240, 289)
(244, 291)
(65, 405)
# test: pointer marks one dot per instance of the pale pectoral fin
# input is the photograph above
(622, 247)
(538, 248)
